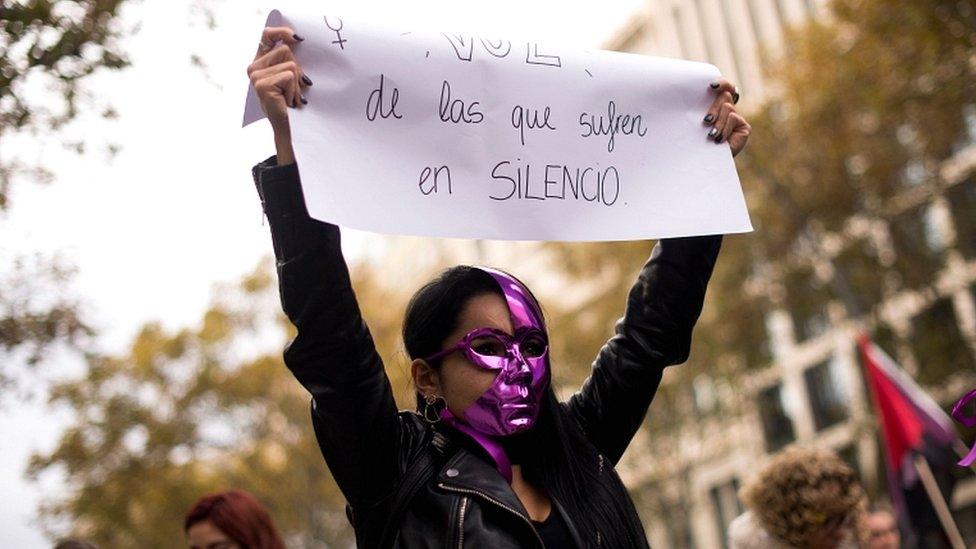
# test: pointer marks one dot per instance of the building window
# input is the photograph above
(810, 325)
(827, 398)
(678, 526)
(849, 455)
(962, 204)
(705, 35)
(938, 344)
(969, 115)
(726, 506)
(757, 30)
(967, 526)
(666, 505)
(748, 332)
(886, 338)
(857, 268)
(968, 134)
(777, 423)
(935, 223)
(679, 29)
(734, 44)
(917, 257)
(806, 299)
(703, 396)
(743, 326)
(780, 13)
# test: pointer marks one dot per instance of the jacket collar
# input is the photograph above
(467, 471)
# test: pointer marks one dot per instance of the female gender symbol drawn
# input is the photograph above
(341, 41)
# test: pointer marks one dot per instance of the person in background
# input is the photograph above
(805, 498)
(883, 528)
(230, 520)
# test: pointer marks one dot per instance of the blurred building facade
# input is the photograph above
(812, 391)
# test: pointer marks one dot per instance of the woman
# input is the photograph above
(230, 520)
(804, 497)
(883, 528)
(490, 458)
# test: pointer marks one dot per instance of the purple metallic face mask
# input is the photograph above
(511, 404)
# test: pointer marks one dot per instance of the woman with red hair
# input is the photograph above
(230, 520)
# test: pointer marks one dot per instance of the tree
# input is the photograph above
(48, 51)
(55, 45)
(34, 314)
(51, 46)
(196, 410)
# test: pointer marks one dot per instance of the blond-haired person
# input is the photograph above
(803, 497)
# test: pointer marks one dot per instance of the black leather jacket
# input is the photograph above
(368, 445)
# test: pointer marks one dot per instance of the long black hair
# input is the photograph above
(555, 453)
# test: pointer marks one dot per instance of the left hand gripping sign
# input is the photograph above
(442, 134)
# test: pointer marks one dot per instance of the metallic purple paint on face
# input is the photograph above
(511, 404)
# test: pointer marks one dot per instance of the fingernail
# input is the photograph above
(299, 38)
(712, 132)
(307, 80)
(713, 85)
(709, 118)
(719, 138)
(735, 97)
(304, 101)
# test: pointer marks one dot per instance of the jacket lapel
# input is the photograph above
(466, 471)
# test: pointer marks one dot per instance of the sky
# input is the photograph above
(175, 211)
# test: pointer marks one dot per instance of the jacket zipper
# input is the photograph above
(496, 502)
(464, 507)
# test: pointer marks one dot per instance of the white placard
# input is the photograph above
(432, 133)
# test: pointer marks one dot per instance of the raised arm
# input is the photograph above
(332, 355)
(655, 332)
(662, 309)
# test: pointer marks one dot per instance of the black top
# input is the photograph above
(553, 531)
(369, 446)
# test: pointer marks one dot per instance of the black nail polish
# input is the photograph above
(299, 38)
(714, 85)
(304, 101)
(709, 118)
(735, 97)
(712, 132)
(719, 138)
(307, 80)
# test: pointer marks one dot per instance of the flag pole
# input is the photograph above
(941, 507)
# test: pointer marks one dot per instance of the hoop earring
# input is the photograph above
(430, 412)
